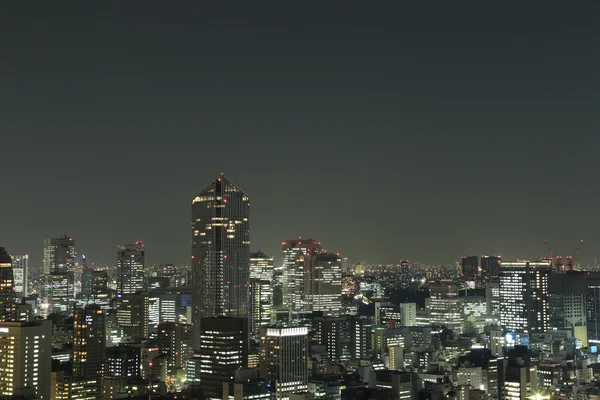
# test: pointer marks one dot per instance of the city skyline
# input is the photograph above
(435, 132)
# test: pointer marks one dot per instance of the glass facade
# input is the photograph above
(220, 252)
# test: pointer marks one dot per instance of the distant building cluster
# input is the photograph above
(237, 324)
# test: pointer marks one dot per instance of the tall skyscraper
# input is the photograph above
(59, 255)
(261, 266)
(59, 269)
(524, 296)
(293, 270)
(89, 339)
(131, 259)
(284, 360)
(220, 252)
(322, 283)
(25, 359)
(21, 273)
(6, 285)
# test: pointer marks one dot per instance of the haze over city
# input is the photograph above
(402, 131)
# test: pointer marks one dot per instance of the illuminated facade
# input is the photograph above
(445, 307)
(133, 315)
(6, 285)
(21, 273)
(88, 342)
(261, 266)
(261, 303)
(524, 296)
(284, 360)
(293, 270)
(220, 252)
(25, 359)
(223, 350)
(323, 283)
(131, 260)
(59, 292)
(59, 255)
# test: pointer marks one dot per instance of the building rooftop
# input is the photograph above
(4, 256)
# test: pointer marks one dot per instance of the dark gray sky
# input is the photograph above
(419, 131)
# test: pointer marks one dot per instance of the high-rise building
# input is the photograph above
(445, 307)
(261, 266)
(220, 252)
(89, 339)
(59, 269)
(59, 255)
(99, 284)
(293, 270)
(131, 259)
(133, 315)
(60, 292)
(284, 360)
(524, 296)
(322, 283)
(261, 304)
(568, 300)
(490, 267)
(175, 340)
(223, 350)
(21, 273)
(7, 297)
(470, 268)
(25, 359)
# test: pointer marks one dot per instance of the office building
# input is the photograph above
(284, 360)
(131, 259)
(490, 267)
(133, 315)
(223, 350)
(261, 266)
(175, 341)
(59, 255)
(568, 297)
(123, 361)
(7, 297)
(20, 267)
(89, 339)
(492, 296)
(409, 314)
(261, 305)
(322, 283)
(60, 292)
(517, 374)
(470, 268)
(293, 270)
(445, 307)
(25, 358)
(220, 252)
(66, 387)
(524, 296)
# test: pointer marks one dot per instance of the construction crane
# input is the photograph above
(573, 254)
(555, 261)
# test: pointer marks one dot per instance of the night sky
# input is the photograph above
(404, 131)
